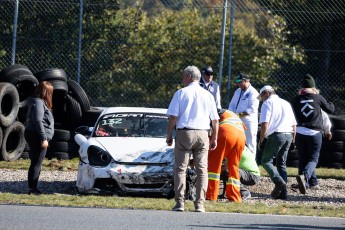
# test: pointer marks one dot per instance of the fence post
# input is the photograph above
(81, 9)
(230, 47)
(221, 56)
(14, 35)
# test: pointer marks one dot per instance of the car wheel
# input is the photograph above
(13, 142)
(9, 100)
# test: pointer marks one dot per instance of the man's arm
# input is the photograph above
(264, 127)
(294, 133)
(214, 135)
(171, 125)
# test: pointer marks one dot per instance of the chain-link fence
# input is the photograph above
(132, 53)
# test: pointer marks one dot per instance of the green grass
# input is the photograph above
(52, 164)
(165, 204)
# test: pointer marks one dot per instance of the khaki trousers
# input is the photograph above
(189, 143)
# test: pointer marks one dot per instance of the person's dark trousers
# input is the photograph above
(36, 155)
(308, 149)
(249, 179)
(277, 145)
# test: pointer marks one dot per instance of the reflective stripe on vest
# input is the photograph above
(234, 182)
(236, 122)
(213, 176)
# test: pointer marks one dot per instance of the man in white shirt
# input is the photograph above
(211, 86)
(246, 105)
(191, 110)
(278, 126)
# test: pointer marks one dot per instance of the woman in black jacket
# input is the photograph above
(307, 108)
(39, 130)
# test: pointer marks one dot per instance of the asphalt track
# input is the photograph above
(42, 217)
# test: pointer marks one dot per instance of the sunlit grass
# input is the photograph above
(52, 164)
(165, 204)
(72, 164)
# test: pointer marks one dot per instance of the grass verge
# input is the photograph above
(165, 204)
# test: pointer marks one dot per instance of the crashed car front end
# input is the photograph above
(124, 164)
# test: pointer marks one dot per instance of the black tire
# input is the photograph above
(58, 146)
(90, 117)
(338, 135)
(292, 163)
(74, 112)
(22, 115)
(9, 101)
(13, 142)
(61, 135)
(23, 79)
(292, 155)
(60, 155)
(332, 157)
(25, 155)
(73, 149)
(332, 146)
(77, 92)
(51, 75)
(14, 70)
(334, 165)
(60, 86)
(338, 122)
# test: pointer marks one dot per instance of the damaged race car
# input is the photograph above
(126, 153)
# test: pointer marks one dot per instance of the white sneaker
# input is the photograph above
(199, 208)
(315, 187)
(179, 207)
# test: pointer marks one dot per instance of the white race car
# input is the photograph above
(126, 153)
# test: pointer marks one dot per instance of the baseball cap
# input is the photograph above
(240, 77)
(207, 70)
(263, 89)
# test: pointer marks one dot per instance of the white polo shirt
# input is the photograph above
(194, 107)
(246, 101)
(279, 115)
(213, 88)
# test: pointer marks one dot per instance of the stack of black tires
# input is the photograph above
(71, 108)
(332, 151)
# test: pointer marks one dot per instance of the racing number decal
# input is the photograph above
(112, 121)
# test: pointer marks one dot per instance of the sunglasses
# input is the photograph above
(209, 74)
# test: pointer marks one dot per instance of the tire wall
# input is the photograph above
(332, 154)
(71, 109)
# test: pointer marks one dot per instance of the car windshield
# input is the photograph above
(132, 125)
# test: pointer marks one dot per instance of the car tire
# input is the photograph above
(77, 92)
(23, 79)
(74, 112)
(13, 143)
(51, 74)
(61, 135)
(9, 101)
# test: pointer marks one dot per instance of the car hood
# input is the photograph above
(137, 150)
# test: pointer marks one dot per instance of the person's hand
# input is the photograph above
(213, 144)
(44, 144)
(328, 136)
(169, 140)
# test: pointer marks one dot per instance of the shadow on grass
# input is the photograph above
(21, 187)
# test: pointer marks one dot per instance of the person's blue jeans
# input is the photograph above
(277, 145)
(308, 149)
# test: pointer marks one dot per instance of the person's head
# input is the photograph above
(190, 74)
(207, 73)
(265, 92)
(308, 81)
(242, 81)
(44, 90)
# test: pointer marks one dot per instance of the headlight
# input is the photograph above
(97, 156)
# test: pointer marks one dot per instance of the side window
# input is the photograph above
(156, 127)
